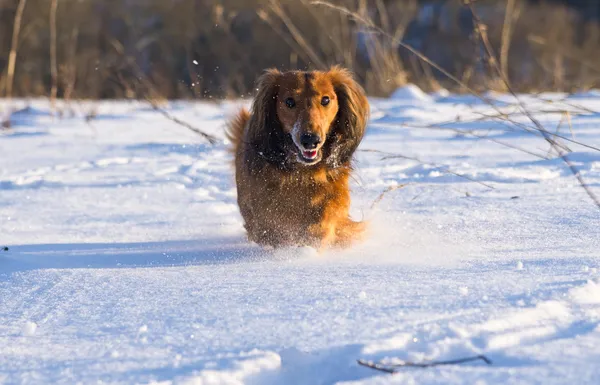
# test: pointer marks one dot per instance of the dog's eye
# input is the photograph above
(290, 102)
(325, 100)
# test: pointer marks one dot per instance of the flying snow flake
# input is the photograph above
(195, 62)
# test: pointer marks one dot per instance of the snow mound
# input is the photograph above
(587, 294)
(29, 328)
(238, 372)
(441, 93)
(411, 92)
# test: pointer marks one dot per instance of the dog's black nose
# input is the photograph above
(310, 141)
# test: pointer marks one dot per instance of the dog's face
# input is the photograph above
(304, 118)
(307, 106)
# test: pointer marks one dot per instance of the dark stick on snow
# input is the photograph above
(210, 138)
(141, 76)
(393, 368)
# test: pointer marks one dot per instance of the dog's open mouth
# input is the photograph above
(308, 156)
(312, 154)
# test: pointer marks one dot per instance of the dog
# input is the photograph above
(293, 153)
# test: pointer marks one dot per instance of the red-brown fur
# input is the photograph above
(283, 198)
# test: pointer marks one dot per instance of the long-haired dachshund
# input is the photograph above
(293, 156)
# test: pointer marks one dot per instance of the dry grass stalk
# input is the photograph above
(510, 17)
(368, 23)
(481, 30)
(387, 190)
(53, 60)
(444, 169)
(14, 47)
(210, 138)
(297, 49)
(69, 69)
(565, 59)
(558, 147)
(276, 8)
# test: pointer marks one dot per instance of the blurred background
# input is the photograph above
(181, 49)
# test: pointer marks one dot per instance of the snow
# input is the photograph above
(127, 261)
(520, 265)
(411, 93)
(29, 328)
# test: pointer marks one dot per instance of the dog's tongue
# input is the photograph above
(309, 154)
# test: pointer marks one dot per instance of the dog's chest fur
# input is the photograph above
(288, 207)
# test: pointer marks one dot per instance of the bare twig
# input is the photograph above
(558, 126)
(478, 136)
(544, 133)
(387, 190)
(446, 169)
(393, 368)
(210, 138)
(376, 366)
(141, 76)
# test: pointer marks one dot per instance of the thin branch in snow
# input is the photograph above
(142, 78)
(446, 169)
(53, 55)
(210, 138)
(393, 368)
(478, 136)
(376, 366)
(387, 190)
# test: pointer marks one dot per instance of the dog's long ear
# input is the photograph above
(349, 126)
(264, 121)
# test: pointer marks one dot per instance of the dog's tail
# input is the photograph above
(235, 129)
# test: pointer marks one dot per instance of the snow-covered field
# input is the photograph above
(127, 261)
